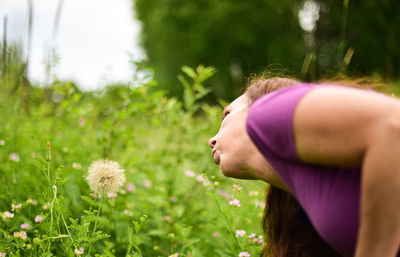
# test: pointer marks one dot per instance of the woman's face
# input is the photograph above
(232, 148)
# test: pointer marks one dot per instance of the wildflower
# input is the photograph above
(46, 206)
(252, 236)
(20, 234)
(234, 202)
(79, 251)
(190, 173)
(168, 219)
(260, 240)
(237, 188)
(105, 176)
(147, 183)
(244, 254)
(131, 188)
(15, 207)
(253, 193)
(14, 157)
(82, 122)
(174, 255)
(7, 215)
(39, 218)
(2, 142)
(2, 254)
(240, 233)
(112, 195)
(216, 234)
(173, 199)
(30, 201)
(76, 166)
(259, 204)
(25, 226)
(127, 212)
(200, 178)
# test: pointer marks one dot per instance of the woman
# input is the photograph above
(333, 150)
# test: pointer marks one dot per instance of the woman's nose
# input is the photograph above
(212, 141)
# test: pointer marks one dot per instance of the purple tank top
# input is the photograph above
(329, 195)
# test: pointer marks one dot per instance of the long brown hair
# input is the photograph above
(286, 226)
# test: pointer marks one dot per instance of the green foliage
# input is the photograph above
(240, 38)
(168, 204)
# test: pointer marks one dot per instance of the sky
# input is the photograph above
(95, 41)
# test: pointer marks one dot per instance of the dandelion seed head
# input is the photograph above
(105, 176)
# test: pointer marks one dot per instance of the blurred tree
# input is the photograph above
(239, 38)
(236, 37)
(362, 37)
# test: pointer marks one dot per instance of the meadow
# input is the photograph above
(174, 202)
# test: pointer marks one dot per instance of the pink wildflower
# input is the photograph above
(30, 201)
(131, 188)
(15, 207)
(174, 255)
(2, 142)
(147, 183)
(25, 226)
(20, 234)
(79, 251)
(240, 233)
(216, 234)
(112, 195)
(39, 218)
(2, 254)
(252, 235)
(234, 202)
(244, 254)
(173, 199)
(14, 157)
(82, 122)
(190, 173)
(7, 215)
(237, 188)
(76, 166)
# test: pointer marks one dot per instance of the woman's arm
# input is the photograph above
(348, 127)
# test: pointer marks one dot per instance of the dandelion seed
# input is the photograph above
(7, 215)
(25, 226)
(105, 176)
(240, 233)
(244, 254)
(14, 157)
(2, 142)
(39, 218)
(234, 202)
(190, 173)
(147, 183)
(237, 188)
(15, 207)
(131, 188)
(20, 234)
(79, 251)
(76, 166)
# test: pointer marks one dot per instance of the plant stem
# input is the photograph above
(227, 221)
(95, 223)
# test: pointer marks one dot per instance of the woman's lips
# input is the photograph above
(216, 159)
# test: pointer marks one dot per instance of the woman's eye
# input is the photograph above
(224, 115)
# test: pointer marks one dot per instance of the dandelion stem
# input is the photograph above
(95, 224)
(227, 221)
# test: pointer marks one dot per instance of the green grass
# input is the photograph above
(155, 139)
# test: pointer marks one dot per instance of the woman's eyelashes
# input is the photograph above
(225, 114)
